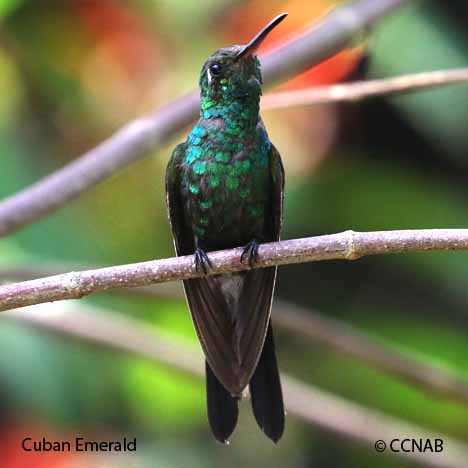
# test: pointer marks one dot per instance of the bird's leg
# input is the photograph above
(202, 261)
(250, 252)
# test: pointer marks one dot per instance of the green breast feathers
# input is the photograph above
(225, 175)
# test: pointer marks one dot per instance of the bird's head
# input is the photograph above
(233, 72)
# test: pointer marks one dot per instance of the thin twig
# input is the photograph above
(353, 92)
(367, 426)
(315, 327)
(349, 341)
(138, 138)
(307, 403)
(16, 273)
(349, 245)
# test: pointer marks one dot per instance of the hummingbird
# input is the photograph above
(224, 189)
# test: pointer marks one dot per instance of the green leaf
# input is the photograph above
(7, 6)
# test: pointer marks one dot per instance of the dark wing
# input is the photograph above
(254, 308)
(183, 237)
(277, 195)
(210, 311)
(230, 312)
(265, 386)
(222, 407)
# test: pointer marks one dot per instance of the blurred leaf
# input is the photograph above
(162, 398)
(11, 91)
(8, 6)
(441, 346)
(422, 38)
(384, 196)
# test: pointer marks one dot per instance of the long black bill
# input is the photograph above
(254, 44)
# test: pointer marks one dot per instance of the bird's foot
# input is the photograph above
(202, 261)
(250, 252)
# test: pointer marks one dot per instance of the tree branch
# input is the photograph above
(307, 403)
(349, 245)
(138, 138)
(314, 327)
(353, 92)
(349, 341)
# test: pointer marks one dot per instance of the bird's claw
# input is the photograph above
(250, 251)
(202, 261)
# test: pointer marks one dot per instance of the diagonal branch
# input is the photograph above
(349, 245)
(307, 403)
(349, 341)
(139, 137)
(353, 92)
(314, 327)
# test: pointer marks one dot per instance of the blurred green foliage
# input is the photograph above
(72, 72)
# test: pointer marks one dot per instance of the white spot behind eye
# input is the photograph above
(208, 74)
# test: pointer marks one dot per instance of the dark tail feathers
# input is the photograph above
(265, 391)
(222, 407)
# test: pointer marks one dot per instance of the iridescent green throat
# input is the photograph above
(235, 98)
(225, 168)
(238, 110)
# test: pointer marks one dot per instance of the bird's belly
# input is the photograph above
(228, 209)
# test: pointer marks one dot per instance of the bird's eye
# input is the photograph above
(215, 69)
